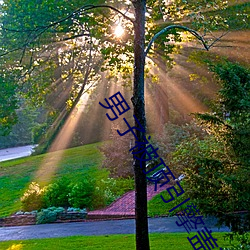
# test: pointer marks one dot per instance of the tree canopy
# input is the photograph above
(57, 45)
(51, 44)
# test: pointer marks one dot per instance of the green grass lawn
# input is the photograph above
(16, 175)
(157, 207)
(170, 241)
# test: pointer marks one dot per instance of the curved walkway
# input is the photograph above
(17, 152)
(156, 225)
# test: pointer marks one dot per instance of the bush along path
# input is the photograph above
(122, 208)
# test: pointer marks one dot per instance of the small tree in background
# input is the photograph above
(172, 135)
(118, 160)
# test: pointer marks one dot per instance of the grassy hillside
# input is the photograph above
(16, 175)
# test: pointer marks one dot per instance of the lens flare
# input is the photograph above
(119, 31)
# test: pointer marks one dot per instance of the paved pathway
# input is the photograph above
(125, 205)
(14, 153)
(159, 225)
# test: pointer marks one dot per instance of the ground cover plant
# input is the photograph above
(48, 215)
(176, 241)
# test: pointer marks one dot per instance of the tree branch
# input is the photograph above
(74, 13)
(193, 32)
(42, 29)
(218, 38)
(86, 8)
(112, 8)
(72, 37)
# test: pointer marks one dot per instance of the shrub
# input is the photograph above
(73, 209)
(123, 185)
(48, 215)
(61, 193)
(81, 194)
(109, 189)
(56, 194)
(243, 241)
(38, 131)
(118, 160)
(238, 247)
(172, 135)
(208, 181)
(102, 195)
(33, 197)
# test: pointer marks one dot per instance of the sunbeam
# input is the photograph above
(50, 163)
(171, 94)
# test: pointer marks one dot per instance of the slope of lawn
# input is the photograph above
(170, 241)
(16, 175)
(157, 207)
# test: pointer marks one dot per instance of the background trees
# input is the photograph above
(8, 105)
(217, 166)
(50, 42)
(49, 47)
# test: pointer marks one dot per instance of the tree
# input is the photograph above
(132, 47)
(118, 159)
(21, 133)
(142, 240)
(48, 70)
(217, 166)
(8, 105)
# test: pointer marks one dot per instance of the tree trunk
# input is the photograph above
(142, 240)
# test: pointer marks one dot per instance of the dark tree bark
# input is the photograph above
(142, 239)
